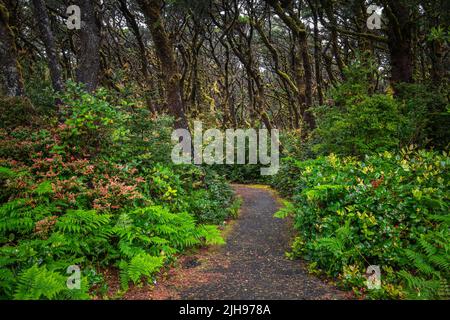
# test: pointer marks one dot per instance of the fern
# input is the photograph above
(419, 287)
(211, 235)
(45, 188)
(37, 282)
(149, 236)
(94, 229)
(287, 210)
(142, 265)
(156, 229)
(7, 282)
(430, 266)
(82, 221)
(419, 262)
(17, 216)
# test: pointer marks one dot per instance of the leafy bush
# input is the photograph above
(17, 112)
(98, 190)
(152, 235)
(387, 210)
(428, 116)
(358, 124)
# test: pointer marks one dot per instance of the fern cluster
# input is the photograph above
(99, 191)
(140, 242)
(431, 260)
(150, 236)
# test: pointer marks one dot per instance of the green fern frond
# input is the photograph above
(37, 282)
(211, 235)
(429, 249)
(142, 265)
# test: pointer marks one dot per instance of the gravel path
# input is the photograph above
(257, 268)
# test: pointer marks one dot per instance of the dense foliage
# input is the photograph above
(97, 190)
(362, 194)
(360, 122)
(86, 117)
(389, 210)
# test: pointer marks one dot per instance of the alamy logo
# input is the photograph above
(208, 147)
(374, 21)
(74, 18)
(74, 280)
(373, 278)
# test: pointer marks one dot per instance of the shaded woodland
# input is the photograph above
(86, 117)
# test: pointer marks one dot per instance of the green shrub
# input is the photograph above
(387, 210)
(359, 122)
(428, 116)
(99, 191)
(150, 236)
(17, 112)
(366, 126)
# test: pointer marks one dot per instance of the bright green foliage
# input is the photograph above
(140, 265)
(152, 235)
(432, 260)
(367, 126)
(388, 210)
(360, 123)
(39, 283)
(155, 230)
(36, 282)
(91, 122)
(99, 191)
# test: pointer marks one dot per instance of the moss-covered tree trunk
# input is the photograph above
(331, 15)
(41, 14)
(133, 25)
(166, 56)
(299, 30)
(317, 49)
(10, 74)
(89, 50)
(400, 41)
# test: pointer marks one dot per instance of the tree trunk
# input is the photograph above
(329, 11)
(43, 20)
(317, 51)
(165, 52)
(89, 52)
(10, 74)
(284, 77)
(299, 30)
(133, 25)
(400, 37)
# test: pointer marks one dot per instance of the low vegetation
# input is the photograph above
(361, 196)
(98, 191)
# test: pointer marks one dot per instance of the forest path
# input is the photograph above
(252, 265)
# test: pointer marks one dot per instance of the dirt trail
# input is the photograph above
(252, 264)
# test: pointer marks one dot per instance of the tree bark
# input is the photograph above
(284, 77)
(166, 56)
(329, 11)
(131, 21)
(42, 18)
(10, 73)
(299, 30)
(89, 52)
(317, 50)
(399, 41)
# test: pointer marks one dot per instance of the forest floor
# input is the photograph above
(251, 266)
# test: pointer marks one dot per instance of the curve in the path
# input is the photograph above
(257, 267)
